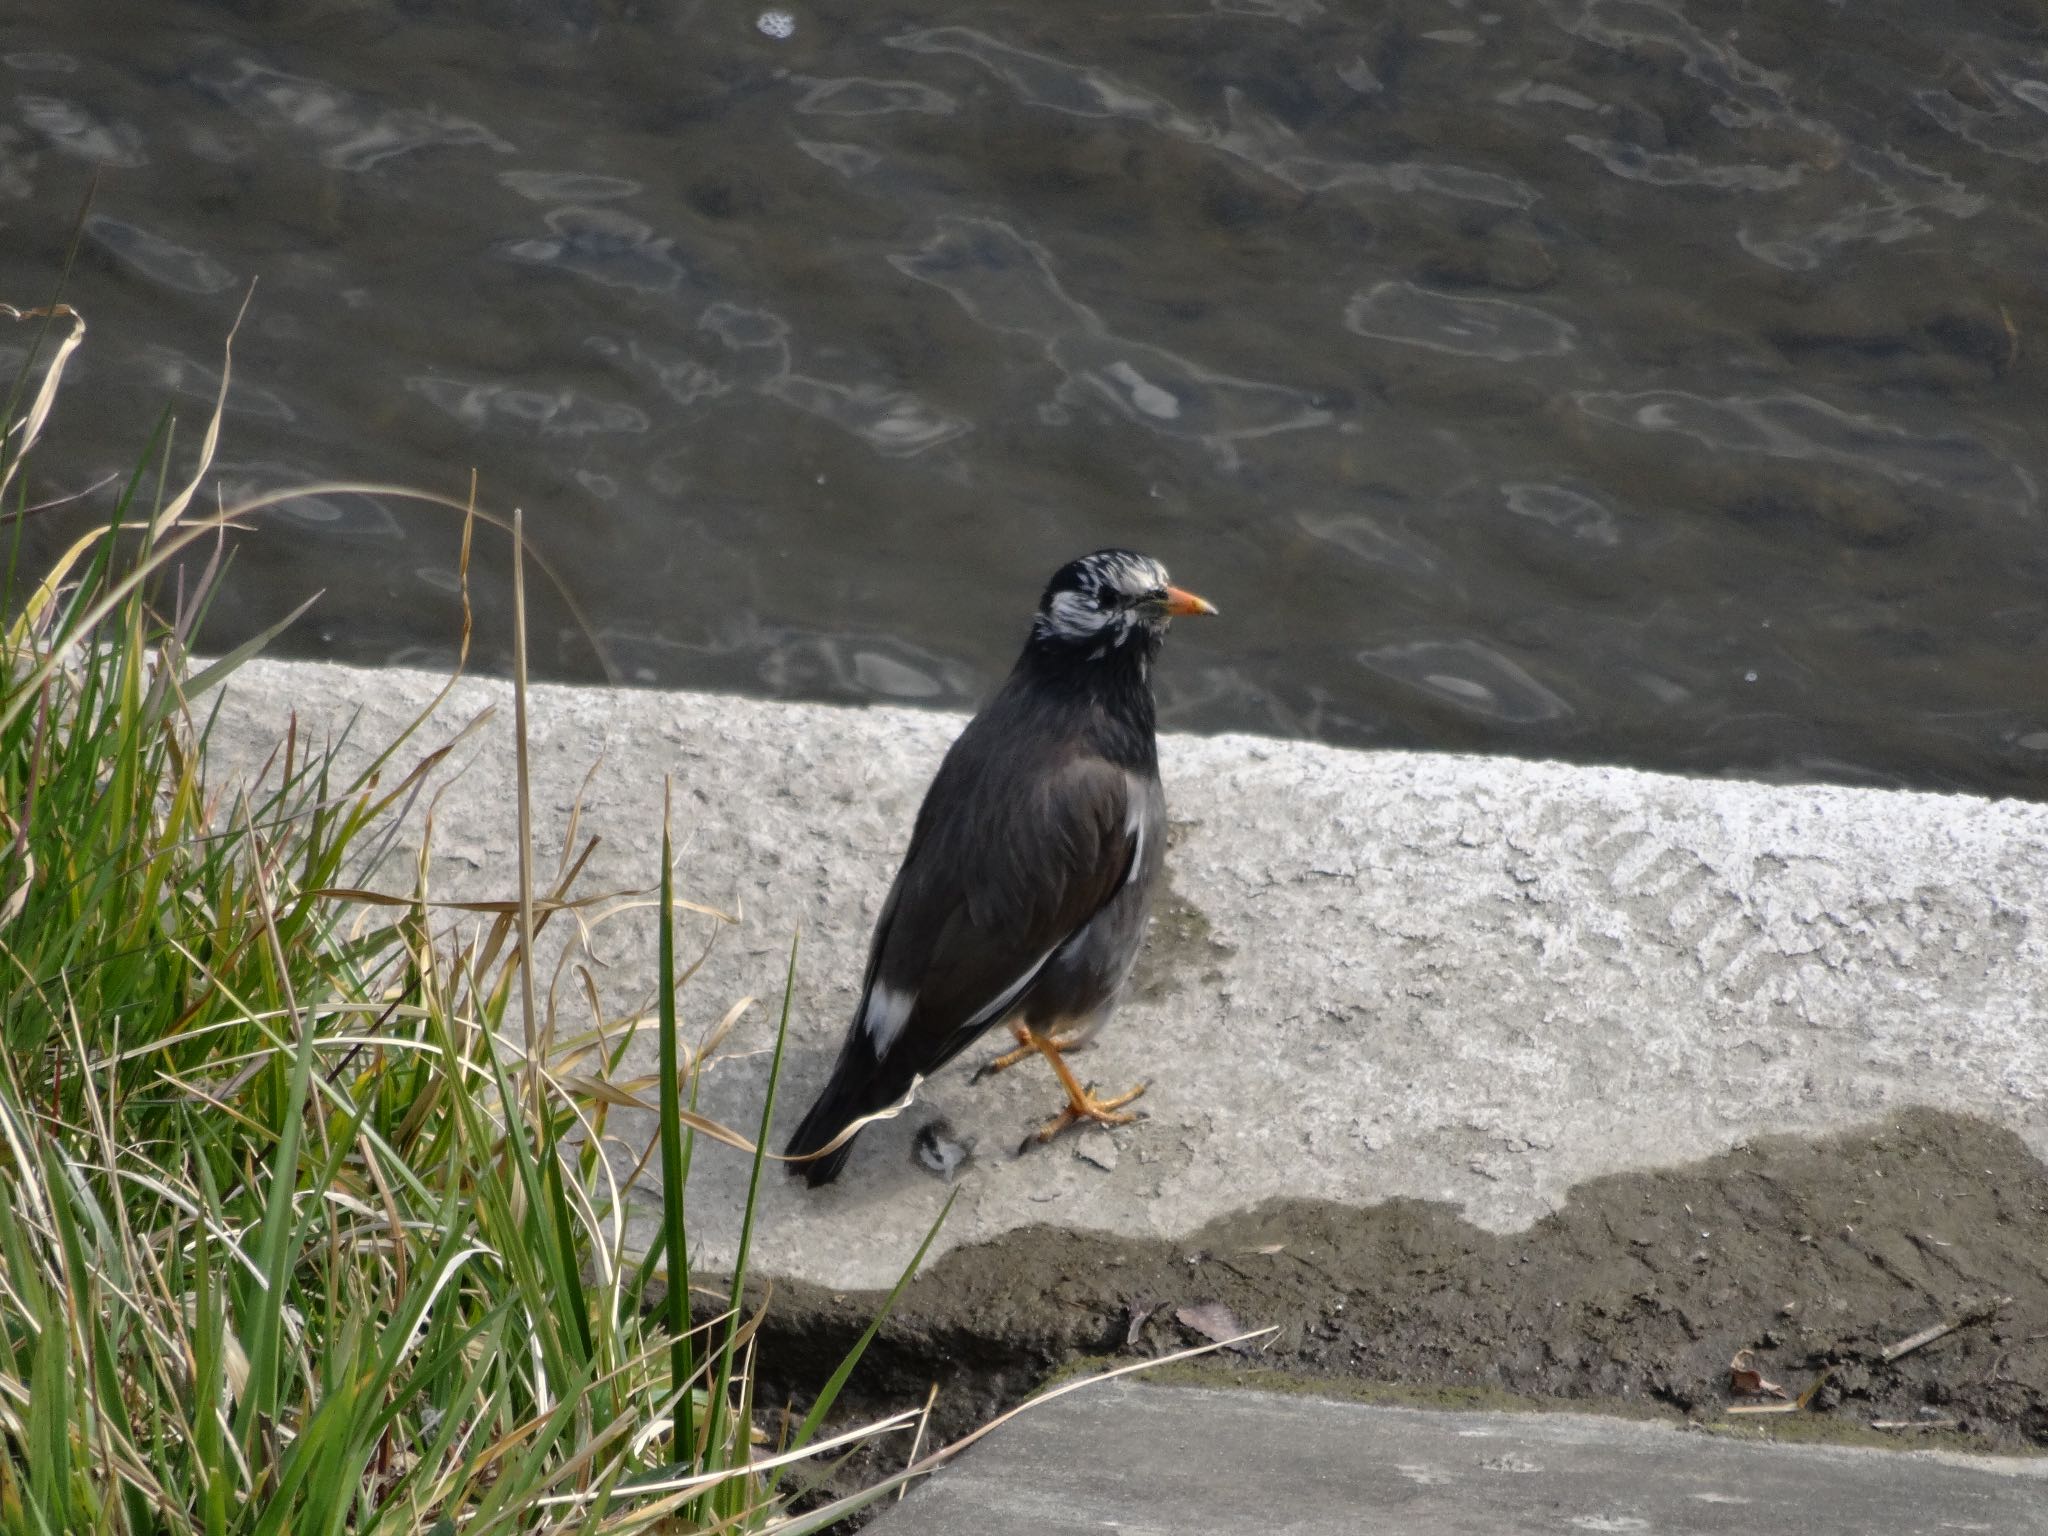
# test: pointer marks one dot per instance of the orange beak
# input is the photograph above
(1181, 604)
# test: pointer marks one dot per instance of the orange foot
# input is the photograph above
(1081, 1102)
(1089, 1107)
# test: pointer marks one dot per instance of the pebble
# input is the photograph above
(1099, 1150)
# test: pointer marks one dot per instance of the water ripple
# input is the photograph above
(157, 258)
(683, 378)
(603, 245)
(1365, 539)
(77, 132)
(858, 96)
(1903, 191)
(37, 62)
(1795, 426)
(1006, 283)
(1446, 322)
(1633, 163)
(1749, 92)
(503, 408)
(568, 186)
(1469, 677)
(1294, 12)
(352, 518)
(1082, 90)
(849, 160)
(355, 133)
(811, 664)
(1560, 507)
(166, 368)
(894, 422)
(1040, 80)
(1996, 126)
(1752, 97)
(1543, 93)
(17, 166)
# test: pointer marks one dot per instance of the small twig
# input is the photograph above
(1982, 1312)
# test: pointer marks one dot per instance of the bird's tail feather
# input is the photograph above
(849, 1095)
(826, 1120)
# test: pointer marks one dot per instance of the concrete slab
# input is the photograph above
(1378, 974)
(1184, 1461)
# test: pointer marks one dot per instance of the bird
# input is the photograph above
(1024, 893)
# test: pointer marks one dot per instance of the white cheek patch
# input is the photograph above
(1074, 615)
(885, 1015)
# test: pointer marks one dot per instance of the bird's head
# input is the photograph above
(1099, 602)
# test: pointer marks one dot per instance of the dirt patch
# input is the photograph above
(1814, 1255)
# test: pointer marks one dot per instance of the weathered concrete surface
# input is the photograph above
(1378, 974)
(1144, 1459)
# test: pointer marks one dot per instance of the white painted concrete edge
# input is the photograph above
(1381, 974)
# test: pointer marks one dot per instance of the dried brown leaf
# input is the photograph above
(1213, 1321)
(1745, 1380)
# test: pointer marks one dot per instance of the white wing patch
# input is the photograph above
(885, 1015)
(1134, 826)
(994, 1012)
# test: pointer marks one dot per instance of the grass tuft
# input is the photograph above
(299, 1231)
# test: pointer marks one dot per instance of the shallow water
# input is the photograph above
(1625, 381)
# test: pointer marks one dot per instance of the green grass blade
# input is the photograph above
(722, 1388)
(220, 670)
(836, 1382)
(674, 1170)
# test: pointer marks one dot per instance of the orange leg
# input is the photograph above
(1025, 1051)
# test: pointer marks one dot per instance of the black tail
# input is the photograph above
(855, 1089)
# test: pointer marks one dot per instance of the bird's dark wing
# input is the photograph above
(1010, 859)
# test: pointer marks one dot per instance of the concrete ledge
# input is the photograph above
(1378, 974)
(1136, 1458)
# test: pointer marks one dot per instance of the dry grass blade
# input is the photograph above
(1982, 1312)
(680, 1487)
(385, 490)
(174, 509)
(521, 760)
(924, 1420)
(25, 432)
(857, 1126)
(30, 427)
(542, 905)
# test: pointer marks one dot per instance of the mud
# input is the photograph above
(1633, 1297)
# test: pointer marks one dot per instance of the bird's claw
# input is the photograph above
(1088, 1108)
